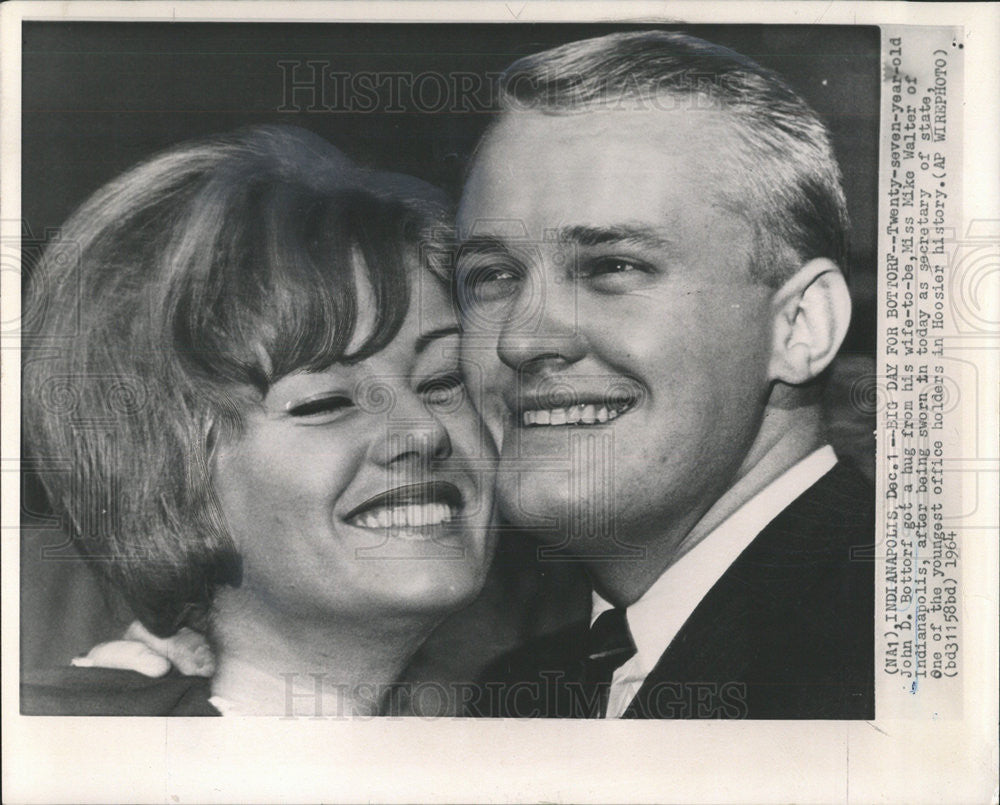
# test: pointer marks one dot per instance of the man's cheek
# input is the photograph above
(494, 414)
(466, 428)
(484, 392)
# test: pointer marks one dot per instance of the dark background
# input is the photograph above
(99, 97)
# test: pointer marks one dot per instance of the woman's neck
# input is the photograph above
(300, 668)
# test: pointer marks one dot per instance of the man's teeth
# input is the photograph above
(573, 415)
(411, 516)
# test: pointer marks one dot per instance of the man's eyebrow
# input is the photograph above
(482, 243)
(425, 339)
(618, 235)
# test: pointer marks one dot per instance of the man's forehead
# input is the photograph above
(540, 175)
(696, 110)
(603, 126)
(543, 143)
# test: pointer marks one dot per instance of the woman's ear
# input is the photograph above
(810, 312)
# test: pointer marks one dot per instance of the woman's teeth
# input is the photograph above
(410, 516)
(573, 415)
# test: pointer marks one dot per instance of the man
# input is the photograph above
(653, 235)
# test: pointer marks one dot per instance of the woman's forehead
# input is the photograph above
(432, 302)
(430, 307)
(430, 320)
(366, 319)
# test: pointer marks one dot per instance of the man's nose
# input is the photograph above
(542, 333)
(411, 436)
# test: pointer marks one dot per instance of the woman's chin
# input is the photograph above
(432, 594)
(438, 572)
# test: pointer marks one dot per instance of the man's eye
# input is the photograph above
(444, 391)
(318, 406)
(497, 274)
(616, 275)
(489, 282)
(614, 265)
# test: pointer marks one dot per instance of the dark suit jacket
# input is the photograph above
(787, 632)
(110, 692)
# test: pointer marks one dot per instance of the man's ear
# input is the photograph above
(811, 312)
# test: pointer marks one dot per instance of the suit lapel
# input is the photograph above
(733, 634)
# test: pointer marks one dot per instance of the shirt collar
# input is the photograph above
(656, 618)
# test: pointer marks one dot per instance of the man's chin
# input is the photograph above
(532, 500)
(539, 507)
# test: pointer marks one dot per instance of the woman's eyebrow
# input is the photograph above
(425, 339)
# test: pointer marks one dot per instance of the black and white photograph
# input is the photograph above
(383, 375)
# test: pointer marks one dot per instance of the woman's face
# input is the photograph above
(365, 491)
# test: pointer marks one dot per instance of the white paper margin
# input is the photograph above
(263, 760)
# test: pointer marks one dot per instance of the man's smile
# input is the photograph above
(584, 414)
(554, 402)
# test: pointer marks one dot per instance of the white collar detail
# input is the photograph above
(656, 618)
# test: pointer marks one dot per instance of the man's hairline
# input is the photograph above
(719, 197)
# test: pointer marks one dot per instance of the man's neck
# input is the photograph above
(785, 439)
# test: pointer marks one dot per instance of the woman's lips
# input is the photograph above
(409, 510)
(412, 516)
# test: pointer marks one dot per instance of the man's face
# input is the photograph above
(611, 321)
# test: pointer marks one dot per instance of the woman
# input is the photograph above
(254, 378)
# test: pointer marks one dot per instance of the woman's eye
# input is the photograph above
(328, 404)
(443, 391)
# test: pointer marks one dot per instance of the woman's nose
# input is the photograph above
(411, 434)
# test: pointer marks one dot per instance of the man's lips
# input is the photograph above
(584, 414)
(409, 507)
(565, 407)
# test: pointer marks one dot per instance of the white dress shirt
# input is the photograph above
(225, 706)
(656, 618)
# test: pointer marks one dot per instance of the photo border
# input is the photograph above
(220, 760)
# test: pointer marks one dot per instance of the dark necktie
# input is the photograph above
(609, 646)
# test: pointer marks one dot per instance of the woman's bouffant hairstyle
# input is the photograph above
(173, 298)
(788, 184)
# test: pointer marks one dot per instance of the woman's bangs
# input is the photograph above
(284, 293)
